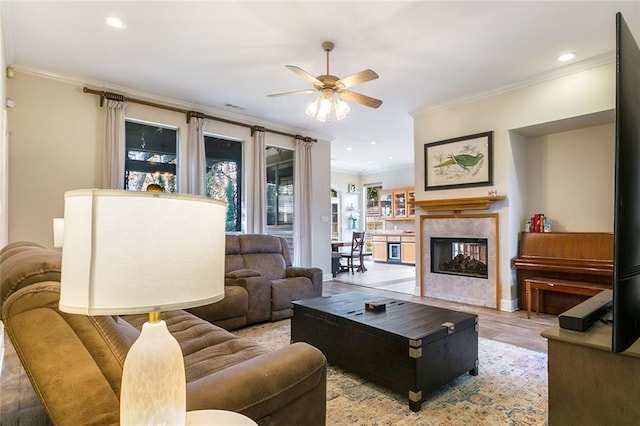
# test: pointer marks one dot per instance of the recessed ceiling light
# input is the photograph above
(348, 148)
(114, 22)
(566, 56)
(372, 142)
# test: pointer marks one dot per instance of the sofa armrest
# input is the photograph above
(314, 274)
(259, 290)
(242, 273)
(286, 386)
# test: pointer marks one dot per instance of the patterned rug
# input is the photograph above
(510, 389)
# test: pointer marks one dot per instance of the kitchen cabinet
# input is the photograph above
(400, 204)
(411, 200)
(379, 248)
(408, 250)
(385, 201)
(397, 203)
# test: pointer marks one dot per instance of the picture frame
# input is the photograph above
(461, 162)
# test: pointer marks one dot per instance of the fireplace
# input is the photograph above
(459, 256)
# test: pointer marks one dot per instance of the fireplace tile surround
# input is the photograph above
(463, 289)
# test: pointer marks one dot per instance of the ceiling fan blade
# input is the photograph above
(297, 92)
(302, 73)
(358, 78)
(360, 98)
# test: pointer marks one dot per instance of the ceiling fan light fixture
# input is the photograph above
(312, 109)
(325, 106)
(321, 107)
(333, 91)
(341, 108)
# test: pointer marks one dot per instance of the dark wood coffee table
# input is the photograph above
(409, 347)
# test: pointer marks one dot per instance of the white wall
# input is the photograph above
(397, 178)
(576, 95)
(4, 160)
(4, 167)
(569, 178)
(56, 139)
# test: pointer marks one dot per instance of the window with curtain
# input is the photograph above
(279, 187)
(151, 156)
(224, 176)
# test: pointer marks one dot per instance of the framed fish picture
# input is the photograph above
(460, 162)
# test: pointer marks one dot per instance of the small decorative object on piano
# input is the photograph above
(538, 223)
(375, 306)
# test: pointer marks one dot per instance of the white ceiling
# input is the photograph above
(215, 53)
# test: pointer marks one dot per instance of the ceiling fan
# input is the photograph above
(333, 89)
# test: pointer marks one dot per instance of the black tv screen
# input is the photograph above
(626, 226)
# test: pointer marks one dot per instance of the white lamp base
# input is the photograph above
(217, 417)
(153, 380)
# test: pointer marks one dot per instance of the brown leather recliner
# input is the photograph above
(262, 265)
(74, 362)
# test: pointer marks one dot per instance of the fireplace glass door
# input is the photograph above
(459, 256)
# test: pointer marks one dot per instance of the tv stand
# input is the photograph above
(588, 384)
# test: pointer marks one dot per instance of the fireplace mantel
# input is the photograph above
(459, 204)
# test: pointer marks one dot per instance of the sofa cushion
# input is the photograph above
(264, 253)
(242, 273)
(24, 264)
(270, 265)
(206, 349)
(229, 313)
(259, 243)
(288, 289)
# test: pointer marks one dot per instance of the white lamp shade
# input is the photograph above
(58, 232)
(137, 252)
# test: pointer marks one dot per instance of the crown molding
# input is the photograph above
(152, 97)
(566, 70)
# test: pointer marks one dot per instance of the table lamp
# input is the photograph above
(58, 232)
(128, 252)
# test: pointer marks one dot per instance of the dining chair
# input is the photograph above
(356, 253)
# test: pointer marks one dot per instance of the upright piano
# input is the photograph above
(576, 256)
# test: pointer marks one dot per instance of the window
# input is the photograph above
(224, 176)
(335, 215)
(150, 156)
(279, 187)
(374, 223)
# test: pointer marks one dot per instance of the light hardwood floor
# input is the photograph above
(19, 405)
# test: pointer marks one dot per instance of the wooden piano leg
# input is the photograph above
(528, 292)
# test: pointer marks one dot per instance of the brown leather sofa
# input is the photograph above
(260, 282)
(74, 362)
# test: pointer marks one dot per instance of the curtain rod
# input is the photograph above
(188, 113)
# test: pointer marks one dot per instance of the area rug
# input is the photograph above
(510, 389)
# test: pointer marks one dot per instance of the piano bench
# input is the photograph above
(560, 286)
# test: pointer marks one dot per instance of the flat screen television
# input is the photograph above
(626, 226)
